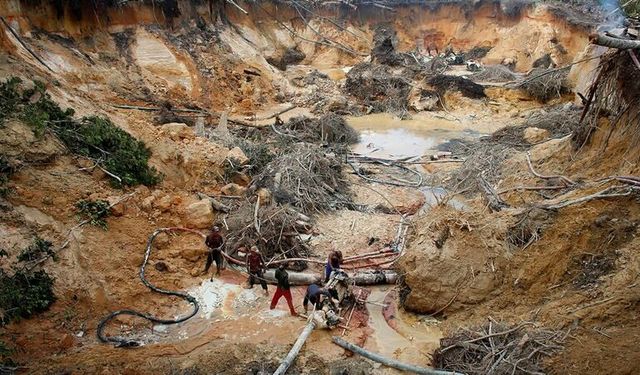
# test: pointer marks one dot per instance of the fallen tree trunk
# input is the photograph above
(293, 353)
(387, 361)
(607, 41)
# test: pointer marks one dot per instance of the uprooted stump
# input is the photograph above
(443, 83)
(308, 178)
(378, 88)
(497, 348)
(385, 40)
(546, 84)
(329, 129)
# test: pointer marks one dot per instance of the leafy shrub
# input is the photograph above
(6, 170)
(94, 211)
(37, 250)
(24, 294)
(9, 98)
(94, 137)
(120, 153)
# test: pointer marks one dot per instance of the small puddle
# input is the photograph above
(384, 135)
(436, 195)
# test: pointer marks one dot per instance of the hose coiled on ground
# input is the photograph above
(127, 343)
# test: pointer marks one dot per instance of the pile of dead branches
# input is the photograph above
(376, 87)
(546, 84)
(274, 229)
(497, 348)
(307, 178)
(329, 129)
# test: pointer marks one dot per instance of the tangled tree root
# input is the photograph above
(546, 84)
(496, 348)
(328, 129)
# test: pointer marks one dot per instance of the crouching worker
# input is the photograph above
(325, 313)
(284, 289)
(317, 296)
(215, 243)
(255, 268)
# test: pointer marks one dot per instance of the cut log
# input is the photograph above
(387, 361)
(293, 353)
(607, 41)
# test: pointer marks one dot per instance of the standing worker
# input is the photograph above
(284, 289)
(255, 268)
(315, 295)
(215, 243)
(334, 261)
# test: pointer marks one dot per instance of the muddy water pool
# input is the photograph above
(385, 135)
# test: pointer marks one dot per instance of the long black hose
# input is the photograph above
(128, 343)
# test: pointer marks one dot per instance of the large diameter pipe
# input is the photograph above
(293, 353)
(388, 361)
(360, 278)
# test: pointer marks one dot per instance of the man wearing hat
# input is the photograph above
(215, 243)
(255, 268)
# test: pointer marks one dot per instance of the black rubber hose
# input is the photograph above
(126, 343)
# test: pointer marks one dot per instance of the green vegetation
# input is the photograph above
(37, 250)
(94, 137)
(94, 211)
(24, 293)
(6, 170)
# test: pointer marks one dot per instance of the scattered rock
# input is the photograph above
(265, 196)
(67, 341)
(233, 189)
(148, 202)
(536, 135)
(178, 131)
(237, 156)
(161, 267)
(161, 241)
(164, 203)
(200, 214)
(241, 179)
(119, 209)
(38, 219)
(423, 100)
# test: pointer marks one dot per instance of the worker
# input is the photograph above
(283, 289)
(215, 243)
(334, 261)
(255, 268)
(316, 295)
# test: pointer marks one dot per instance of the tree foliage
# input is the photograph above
(94, 211)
